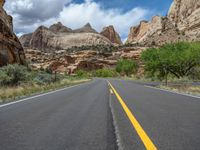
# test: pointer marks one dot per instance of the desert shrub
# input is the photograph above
(126, 67)
(178, 59)
(105, 73)
(82, 74)
(43, 78)
(14, 74)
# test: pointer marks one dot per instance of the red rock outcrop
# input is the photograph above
(110, 33)
(11, 50)
(88, 60)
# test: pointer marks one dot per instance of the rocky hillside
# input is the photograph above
(65, 62)
(11, 50)
(59, 37)
(182, 23)
(112, 35)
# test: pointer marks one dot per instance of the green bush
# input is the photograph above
(178, 59)
(126, 67)
(43, 78)
(105, 73)
(13, 74)
(82, 74)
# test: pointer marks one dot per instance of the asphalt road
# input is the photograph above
(91, 116)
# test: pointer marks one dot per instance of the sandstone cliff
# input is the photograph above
(11, 50)
(182, 23)
(58, 37)
(186, 16)
(110, 33)
(65, 62)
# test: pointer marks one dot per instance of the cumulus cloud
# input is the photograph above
(76, 15)
(29, 14)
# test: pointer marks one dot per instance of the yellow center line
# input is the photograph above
(140, 131)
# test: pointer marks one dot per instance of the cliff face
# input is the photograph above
(182, 23)
(59, 37)
(11, 50)
(186, 15)
(110, 33)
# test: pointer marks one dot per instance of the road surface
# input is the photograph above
(102, 115)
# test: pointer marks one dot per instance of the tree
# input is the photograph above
(178, 59)
(126, 66)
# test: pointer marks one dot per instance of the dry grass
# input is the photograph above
(13, 93)
(188, 89)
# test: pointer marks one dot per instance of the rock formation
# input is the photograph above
(111, 34)
(64, 62)
(85, 29)
(11, 50)
(59, 37)
(186, 16)
(182, 23)
(58, 27)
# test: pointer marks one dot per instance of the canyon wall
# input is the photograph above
(11, 50)
(181, 24)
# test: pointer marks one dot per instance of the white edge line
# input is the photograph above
(25, 99)
(165, 90)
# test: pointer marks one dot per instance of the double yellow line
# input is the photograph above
(140, 131)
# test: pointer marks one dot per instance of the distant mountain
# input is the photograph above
(59, 37)
(181, 24)
(11, 50)
(58, 27)
(85, 29)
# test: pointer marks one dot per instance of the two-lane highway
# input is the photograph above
(78, 118)
(170, 120)
(101, 115)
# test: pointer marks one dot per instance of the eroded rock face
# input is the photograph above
(68, 63)
(182, 23)
(64, 62)
(85, 29)
(186, 15)
(110, 33)
(11, 50)
(158, 31)
(138, 33)
(58, 27)
(58, 37)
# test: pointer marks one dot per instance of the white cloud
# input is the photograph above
(76, 15)
(29, 14)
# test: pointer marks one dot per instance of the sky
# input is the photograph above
(122, 14)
